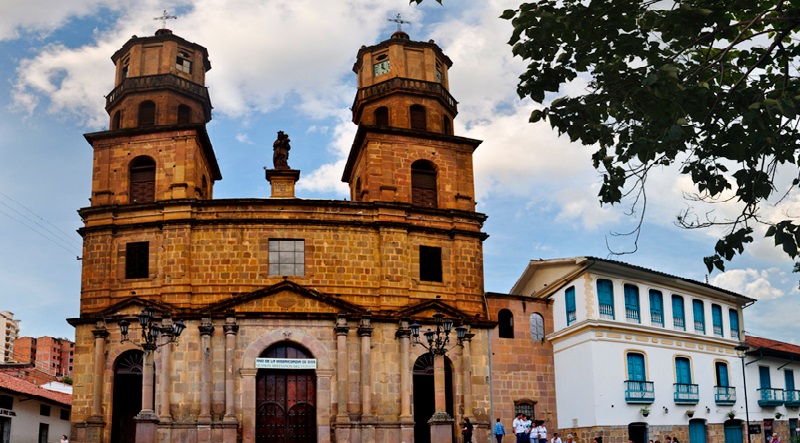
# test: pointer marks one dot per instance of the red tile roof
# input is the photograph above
(17, 385)
(757, 343)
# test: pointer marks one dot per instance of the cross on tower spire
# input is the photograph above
(397, 20)
(164, 17)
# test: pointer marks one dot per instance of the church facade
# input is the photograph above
(298, 314)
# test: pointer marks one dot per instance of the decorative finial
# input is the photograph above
(164, 17)
(397, 20)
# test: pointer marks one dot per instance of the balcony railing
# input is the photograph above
(607, 312)
(718, 331)
(156, 81)
(571, 317)
(632, 315)
(637, 391)
(724, 395)
(410, 85)
(686, 394)
(700, 327)
(770, 397)
(656, 319)
(791, 398)
(679, 322)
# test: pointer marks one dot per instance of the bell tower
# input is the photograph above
(156, 147)
(405, 149)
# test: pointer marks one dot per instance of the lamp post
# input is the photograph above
(741, 351)
(147, 419)
(437, 341)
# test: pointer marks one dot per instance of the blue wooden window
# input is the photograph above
(763, 377)
(788, 375)
(678, 319)
(734, 320)
(683, 371)
(636, 367)
(699, 316)
(605, 298)
(656, 308)
(571, 308)
(722, 373)
(632, 303)
(716, 319)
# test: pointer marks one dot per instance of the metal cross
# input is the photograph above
(397, 20)
(166, 17)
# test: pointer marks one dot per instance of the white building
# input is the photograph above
(773, 397)
(30, 414)
(640, 354)
(9, 331)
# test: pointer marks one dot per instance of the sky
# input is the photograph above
(287, 65)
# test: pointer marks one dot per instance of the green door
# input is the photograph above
(697, 431)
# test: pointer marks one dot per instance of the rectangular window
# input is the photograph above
(631, 303)
(183, 62)
(137, 260)
(763, 377)
(734, 321)
(605, 298)
(722, 373)
(6, 402)
(716, 319)
(699, 316)
(788, 375)
(287, 257)
(683, 371)
(571, 307)
(656, 308)
(678, 318)
(636, 367)
(430, 263)
(64, 414)
(44, 410)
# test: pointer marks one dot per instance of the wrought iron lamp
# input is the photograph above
(741, 352)
(437, 340)
(151, 330)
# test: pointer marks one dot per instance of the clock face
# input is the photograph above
(380, 68)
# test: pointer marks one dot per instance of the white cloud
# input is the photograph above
(751, 283)
(243, 138)
(44, 16)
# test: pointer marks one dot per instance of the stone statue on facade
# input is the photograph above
(280, 156)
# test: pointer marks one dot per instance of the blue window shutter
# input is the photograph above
(632, 297)
(636, 367)
(683, 370)
(788, 375)
(656, 307)
(699, 315)
(722, 374)
(763, 375)
(677, 306)
(716, 315)
(570, 301)
(605, 297)
(734, 317)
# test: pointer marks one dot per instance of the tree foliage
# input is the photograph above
(708, 86)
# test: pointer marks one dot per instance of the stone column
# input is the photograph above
(206, 329)
(342, 418)
(231, 329)
(441, 423)
(406, 419)
(164, 383)
(147, 420)
(466, 367)
(365, 332)
(100, 335)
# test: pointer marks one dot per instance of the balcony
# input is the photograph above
(607, 312)
(700, 327)
(638, 391)
(146, 82)
(408, 85)
(571, 317)
(632, 315)
(686, 394)
(770, 397)
(656, 319)
(680, 323)
(724, 395)
(792, 398)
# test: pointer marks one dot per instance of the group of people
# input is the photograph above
(527, 431)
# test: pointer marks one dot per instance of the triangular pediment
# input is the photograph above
(131, 307)
(286, 297)
(427, 308)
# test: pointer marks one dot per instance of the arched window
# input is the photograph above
(446, 126)
(423, 184)
(572, 311)
(184, 114)
(418, 119)
(147, 113)
(537, 327)
(505, 320)
(115, 120)
(605, 298)
(382, 116)
(142, 180)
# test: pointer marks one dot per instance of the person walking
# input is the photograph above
(499, 431)
(467, 431)
(556, 438)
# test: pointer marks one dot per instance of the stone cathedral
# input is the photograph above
(299, 315)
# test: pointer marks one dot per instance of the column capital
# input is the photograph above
(365, 327)
(230, 328)
(206, 328)
(100, 333)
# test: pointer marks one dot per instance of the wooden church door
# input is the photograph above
(286, 400)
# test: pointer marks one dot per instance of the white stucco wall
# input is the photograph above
(25, 425)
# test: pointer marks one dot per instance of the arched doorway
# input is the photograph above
(733, 431)
(286, 409)
(424, 406)
(127, 400)
(637, 432)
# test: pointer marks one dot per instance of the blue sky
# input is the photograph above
(286, 65)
